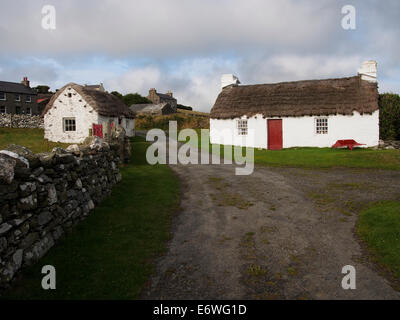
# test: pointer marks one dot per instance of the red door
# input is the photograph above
(275, 140)
(98, 130)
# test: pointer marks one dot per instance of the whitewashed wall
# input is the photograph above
(65, 107)
(299, 131)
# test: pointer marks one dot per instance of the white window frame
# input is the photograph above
(5, 97)
(17, 97)
(321, 125)
(69, 127)
(28, 99)
(5, 109)
(242, 127)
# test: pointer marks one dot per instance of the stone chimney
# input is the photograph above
(152, 91)
(228, 80)
(368, 71)
(25, 82)
(169, 93)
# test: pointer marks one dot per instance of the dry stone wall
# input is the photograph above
(43, 195)
(21, 121)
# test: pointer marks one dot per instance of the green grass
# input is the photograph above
(379, 227)
(322, 157)
(30, 138)
(110, 255)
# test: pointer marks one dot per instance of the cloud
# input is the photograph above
(185, 46)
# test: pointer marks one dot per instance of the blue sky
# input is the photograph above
(185, 45)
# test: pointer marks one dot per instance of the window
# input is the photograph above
(321, 125)
(28, 99)
(119, 120)
(2, 96)
(242, 127)
(17, 97)
(28, 111)
(69, 95)
(69, 124)
(3, 110)
(17, 110)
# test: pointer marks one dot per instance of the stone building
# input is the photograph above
(158, 98)
(75, 111)
(18, 98)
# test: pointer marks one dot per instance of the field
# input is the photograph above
(109, 255)
(31, 138)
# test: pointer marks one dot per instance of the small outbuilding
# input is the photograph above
(311, 113)
(76, 112)
(152, 109)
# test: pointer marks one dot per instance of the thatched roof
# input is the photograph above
(104, 103)
(300, 98)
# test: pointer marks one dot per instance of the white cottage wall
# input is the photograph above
(69, 107)
(299, 131)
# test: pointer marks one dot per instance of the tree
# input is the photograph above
(134, 98)
(117, 94)
(42, 89)
(389, 116)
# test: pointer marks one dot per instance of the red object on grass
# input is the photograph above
(349, 143)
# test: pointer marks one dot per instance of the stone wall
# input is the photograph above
(389, 144)
(43, 195)
(21, 121)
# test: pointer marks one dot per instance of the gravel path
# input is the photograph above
(280, 233)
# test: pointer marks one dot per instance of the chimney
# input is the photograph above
(25, 82)
(152, 91)
(228, 80)
(169, 93)
(368, 71)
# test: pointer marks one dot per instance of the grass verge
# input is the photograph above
(317, 157)
(30, 138)
(110, 254)
(379, 227)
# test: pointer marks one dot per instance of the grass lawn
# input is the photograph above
(379, 227)
(110, 254)
(30, 138)
(324, 157)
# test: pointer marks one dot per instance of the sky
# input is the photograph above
(186, 45)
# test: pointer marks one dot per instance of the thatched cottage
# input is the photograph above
(312, 113)
(76, 112)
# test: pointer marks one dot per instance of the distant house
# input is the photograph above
(76, 111)
(312, 113)
(18, 98)
(158, 98)
(98, 87)
(152, 109)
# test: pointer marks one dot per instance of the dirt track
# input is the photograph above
(281, 233)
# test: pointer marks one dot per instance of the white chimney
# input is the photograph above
(229, 79)
(368, 71)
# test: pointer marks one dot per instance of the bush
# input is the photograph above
(162, 121)
(389, 116)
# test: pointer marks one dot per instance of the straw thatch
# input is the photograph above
(300, 98)
(104, 103)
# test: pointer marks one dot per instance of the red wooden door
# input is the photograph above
(98, 130)
(275, 141)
